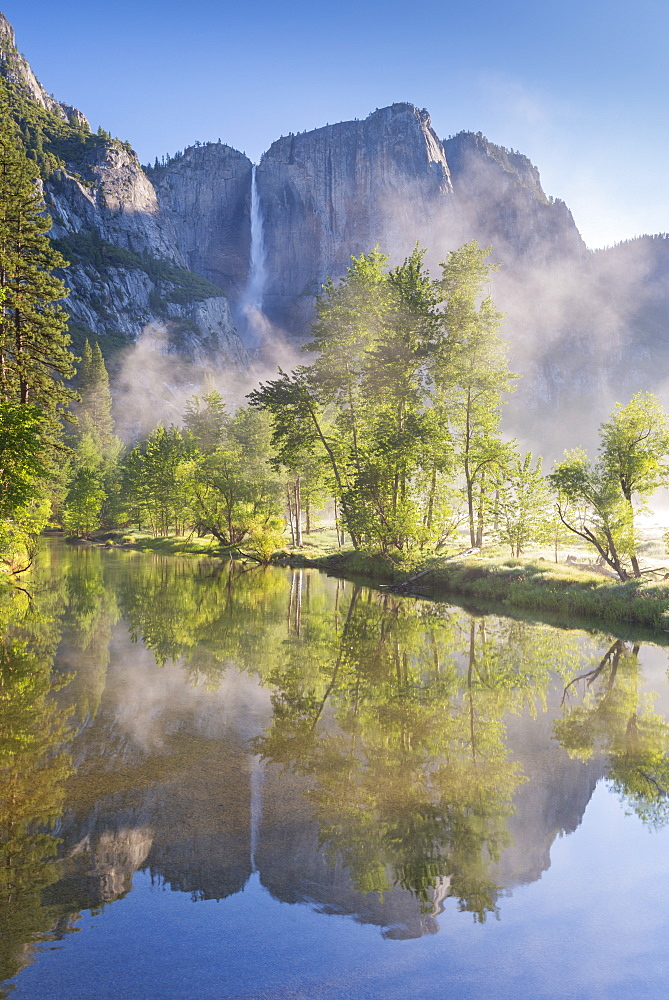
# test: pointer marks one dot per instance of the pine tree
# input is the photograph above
(96, 449)
(34, 355)
(94, 411)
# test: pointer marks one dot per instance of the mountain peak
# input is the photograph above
(7, 39)
(16, 69)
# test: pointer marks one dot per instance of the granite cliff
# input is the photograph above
(204, 198)
(128, 270)
(341, 189)
(501, 198)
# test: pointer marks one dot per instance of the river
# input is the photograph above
(220, 780)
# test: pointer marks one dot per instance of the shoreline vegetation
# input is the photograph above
(569, 593)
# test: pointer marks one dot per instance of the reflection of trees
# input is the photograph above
(395, 712)
(71, 609)
(614, 719)
(87, 616)
(206, 613)
(33, 767)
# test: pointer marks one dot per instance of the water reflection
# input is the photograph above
(34, 763)
(365, 754)
(613, 718)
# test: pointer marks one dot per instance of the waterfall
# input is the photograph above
(256, 807)
(253, 296)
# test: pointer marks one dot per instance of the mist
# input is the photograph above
(586, 328)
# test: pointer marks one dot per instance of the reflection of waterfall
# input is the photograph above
(256, 806)
(253, 296)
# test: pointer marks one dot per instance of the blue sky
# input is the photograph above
(579, 87)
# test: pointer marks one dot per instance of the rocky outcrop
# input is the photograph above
(111, 194)
(127, 299)
(112, 205)
(503, 203)
(205, 196)
(338, 191)
(17, 71)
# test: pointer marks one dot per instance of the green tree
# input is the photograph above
(634, 448)
(522, 504)
(206, 418)
(34, 356)
(236, 495)
(94, 409)
(83, 502)
(473, 370)
(591, 505)
(96, 449)
(155, 481)
(407, 381)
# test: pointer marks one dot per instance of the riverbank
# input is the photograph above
(527, 585)
(535, 586)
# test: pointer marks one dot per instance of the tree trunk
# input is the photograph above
(298, 513)
(290, 514)
(479, 525)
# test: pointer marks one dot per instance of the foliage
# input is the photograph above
(398, 357)
(21, 455)
(521, 504)
(50, 141)
(474, 374)
(616, 719)
(591, 505)
(83, 503)
(154, 480)
(34, 763)
(94, 473)
(634, 445)
(34, 358)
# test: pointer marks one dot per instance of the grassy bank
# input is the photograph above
(535, 586)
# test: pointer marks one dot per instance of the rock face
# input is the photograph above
(500, 195)
(129, 268)
(205, 196)
(201, 329)
(338, 191)
(111, 194)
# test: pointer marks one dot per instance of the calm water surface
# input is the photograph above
(223, 781)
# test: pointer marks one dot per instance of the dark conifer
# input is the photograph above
(34, 356)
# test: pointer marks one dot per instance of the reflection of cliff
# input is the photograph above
(172, 795)
(165, 784)
(189, 828)
(294, 868)
(549, 804)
